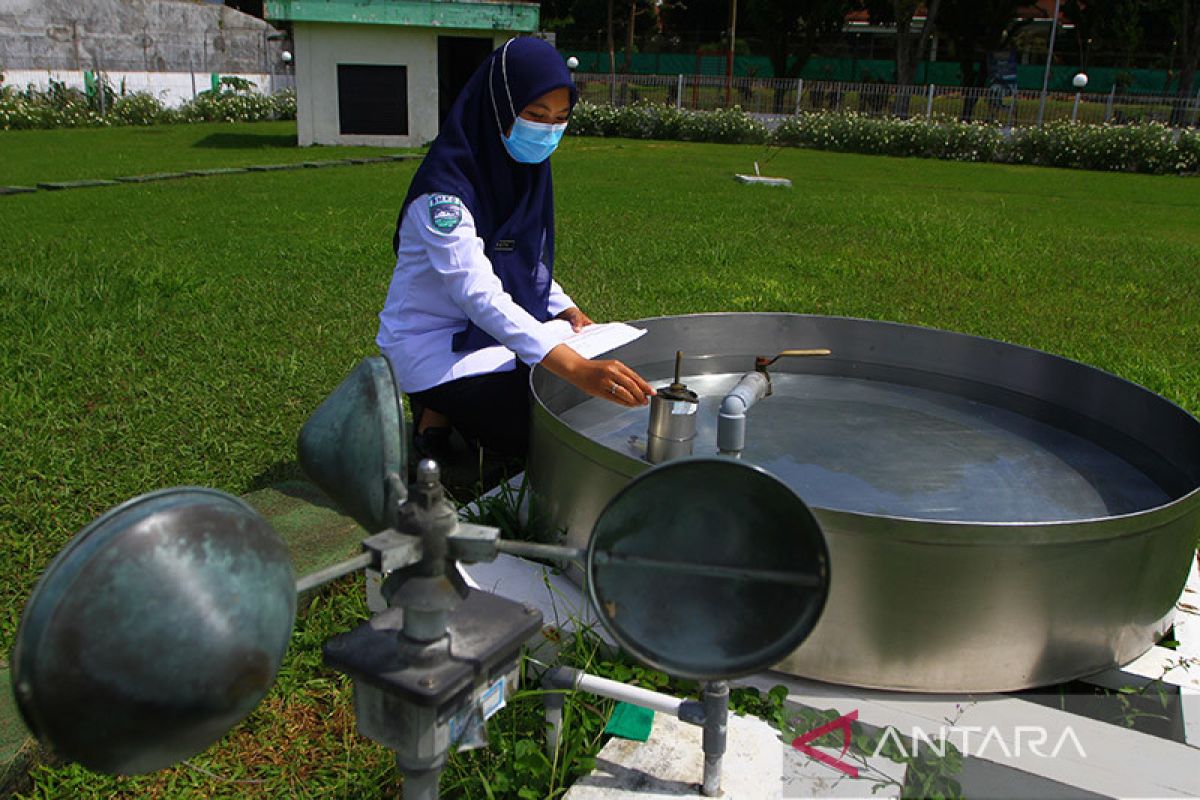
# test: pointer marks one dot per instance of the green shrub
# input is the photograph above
(1145, 147)
(285, 104)
(728, 126)
(919, 137)
(60, 106)
(1189, 151)
(227, 106)
(140, 108)
(651, 121)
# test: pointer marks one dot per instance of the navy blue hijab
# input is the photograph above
(512, 203)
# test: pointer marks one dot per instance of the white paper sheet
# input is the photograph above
(592, 341)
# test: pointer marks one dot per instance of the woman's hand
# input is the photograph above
(609, 379)
(577, 318)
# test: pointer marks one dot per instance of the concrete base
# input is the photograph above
(762, 180)
(316, 533)
(671, 763)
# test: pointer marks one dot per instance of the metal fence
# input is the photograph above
(777, 97)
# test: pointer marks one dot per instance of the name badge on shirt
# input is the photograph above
(445, 212)
(506, 246)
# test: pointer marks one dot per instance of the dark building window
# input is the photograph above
(458, 56)
(372, 99)
(252, 7)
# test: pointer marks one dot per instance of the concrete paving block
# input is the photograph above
(17, 189)
(273, 167)
(17, 747)
(340, 162)
(671, 764)
(216, 171)
(878, 778)
(58, 185)
(317, 534)
(154, 176)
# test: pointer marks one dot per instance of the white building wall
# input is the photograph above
(321, 47)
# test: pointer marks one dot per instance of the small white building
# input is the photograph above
(384, 72)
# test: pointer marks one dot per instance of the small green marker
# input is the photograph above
(630, 722)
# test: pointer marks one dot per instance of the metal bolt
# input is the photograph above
(427, 682)
(428, 472)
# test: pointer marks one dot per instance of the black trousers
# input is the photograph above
(490, 410)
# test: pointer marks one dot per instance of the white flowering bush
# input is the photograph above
(920, 137)
(140, 108)
(728, 125)
(651, 121)
(62, 107)
(233, 102)
(1145, 147)
(59, 106)
(1189, 152)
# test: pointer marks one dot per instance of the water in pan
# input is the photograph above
(881, 448)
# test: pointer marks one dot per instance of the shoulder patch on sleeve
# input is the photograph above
(445, 212)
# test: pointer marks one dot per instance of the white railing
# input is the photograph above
(777, 96)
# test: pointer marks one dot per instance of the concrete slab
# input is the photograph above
(17, 747)
(273, 167)
(545, 588)
(59, 185)
(671, 764)
(1072, 755)
(878, 778)
(317, 534)
(215, 171)
(150, 178)
(761, 180)
(329, 163)
(17, 189)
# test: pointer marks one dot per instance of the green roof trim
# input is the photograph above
(469, 14)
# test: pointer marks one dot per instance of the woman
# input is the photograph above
(473, 284)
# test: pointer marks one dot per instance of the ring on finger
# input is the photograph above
(613, 389)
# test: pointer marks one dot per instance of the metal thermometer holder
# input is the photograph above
(750, 388)
(672, 428)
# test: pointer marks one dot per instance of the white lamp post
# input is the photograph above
(1049, 58)
(1079, 81)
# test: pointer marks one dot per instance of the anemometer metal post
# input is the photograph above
(430, 669)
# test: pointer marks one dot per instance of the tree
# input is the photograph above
(1112, 25)
(793, 29)
(1187, 32)
(910, 50)
(976, 28)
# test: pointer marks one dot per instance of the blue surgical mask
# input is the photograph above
(533, 142)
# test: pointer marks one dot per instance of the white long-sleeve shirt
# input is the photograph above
(443, 280)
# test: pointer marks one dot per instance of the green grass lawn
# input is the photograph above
(180, 332)
(31, 157)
